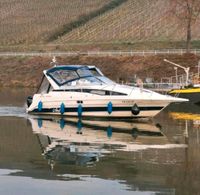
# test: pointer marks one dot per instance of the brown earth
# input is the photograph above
(27, 71)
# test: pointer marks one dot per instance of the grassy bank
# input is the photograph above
(27, 71)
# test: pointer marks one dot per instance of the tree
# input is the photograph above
(188, 12)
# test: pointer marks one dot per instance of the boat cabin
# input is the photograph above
(71, 76)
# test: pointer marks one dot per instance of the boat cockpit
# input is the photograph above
(70, 75)
(62, 77)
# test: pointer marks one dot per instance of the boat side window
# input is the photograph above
(44, 86)
(92, 91)
(98, 92)
(116, 93)
(102, 92)
(95, 72)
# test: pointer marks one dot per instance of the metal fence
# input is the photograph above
(102, 53)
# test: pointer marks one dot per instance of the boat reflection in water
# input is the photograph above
(188, 113)
(83, 142)
(191, 121)
(186, 116)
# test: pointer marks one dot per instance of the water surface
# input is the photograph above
(43, 155)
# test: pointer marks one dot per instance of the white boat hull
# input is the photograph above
(95, 106)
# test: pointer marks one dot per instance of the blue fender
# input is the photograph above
(109, 107)
(109, 131)
(62, 108)
(39, 120)
(79, 125)
(62, 123)
(40, 105)
(80, 110)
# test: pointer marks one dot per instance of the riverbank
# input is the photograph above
(27, 71)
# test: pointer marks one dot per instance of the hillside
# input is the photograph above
(25, 22)
(91, 24)
(133, 21)
(27, 71)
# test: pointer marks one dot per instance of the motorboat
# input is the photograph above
(83, 91)
(189, 90)
(191, 93)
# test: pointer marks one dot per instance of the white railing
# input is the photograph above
(159, 86)
(194, 78)
(102, 53)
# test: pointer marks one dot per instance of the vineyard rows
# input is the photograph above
(132, 21)
(23, 21)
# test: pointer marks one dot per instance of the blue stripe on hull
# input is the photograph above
(96, 109)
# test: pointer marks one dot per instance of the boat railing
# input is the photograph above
(160, 87)
(181, 78)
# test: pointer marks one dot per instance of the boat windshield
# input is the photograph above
(84, 72)
(63, 75)
(77, 75)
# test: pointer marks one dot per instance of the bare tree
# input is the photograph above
(188, 12)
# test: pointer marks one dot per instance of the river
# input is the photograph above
(45, 155)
